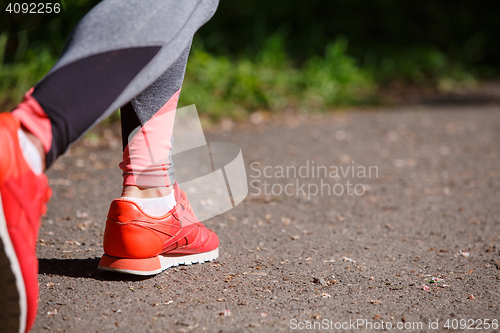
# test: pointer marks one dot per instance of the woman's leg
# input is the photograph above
(151, 227)
(147, 153)
(118, 50)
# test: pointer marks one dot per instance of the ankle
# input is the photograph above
(38, 144)
(145, 192)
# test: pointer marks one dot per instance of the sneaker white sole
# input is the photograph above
(153, 266)
(13, 303)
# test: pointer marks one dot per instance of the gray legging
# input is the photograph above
(124, 53)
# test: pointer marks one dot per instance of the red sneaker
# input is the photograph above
(23, 198)
(136, 243)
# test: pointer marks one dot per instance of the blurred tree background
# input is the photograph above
(306, 55)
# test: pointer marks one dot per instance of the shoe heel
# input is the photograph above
(148, 266)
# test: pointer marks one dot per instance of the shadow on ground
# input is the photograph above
(82, 268)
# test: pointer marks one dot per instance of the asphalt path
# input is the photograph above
(410, 239)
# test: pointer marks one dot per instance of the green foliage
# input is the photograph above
(17, 78)
(422, 66)
(221, 87)
(466, 31)
(336, 79)
(271, 55)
